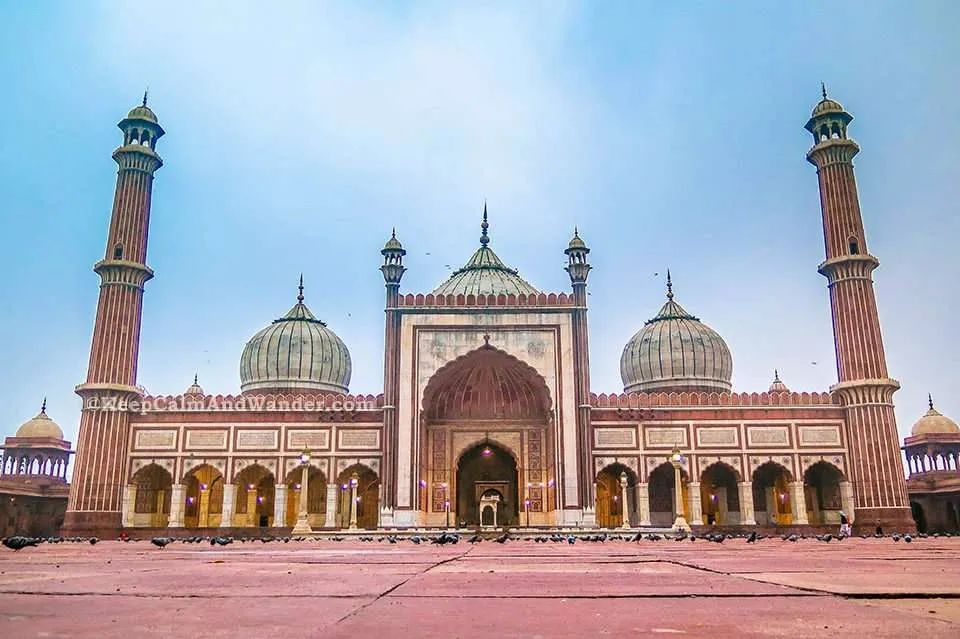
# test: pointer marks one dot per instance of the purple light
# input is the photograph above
(189, 500)
(486, 452)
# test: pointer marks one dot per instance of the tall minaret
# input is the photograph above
(101, 463)
(875, 466)
(392, 269)
(578, 268)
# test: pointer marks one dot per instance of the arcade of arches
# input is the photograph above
(721, 498)
(253, 500)
(488, 437)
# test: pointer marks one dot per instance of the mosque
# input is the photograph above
(487, 417)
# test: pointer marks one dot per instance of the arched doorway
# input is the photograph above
(153, 486)
(362, 482)
(316, 497)
(253, 497)
(482, 468)
(662, 487)
(611, 510)
(719, 497)
(204, 497)
(487, 396)
(918, 517)
(823, 496)
(772, 503)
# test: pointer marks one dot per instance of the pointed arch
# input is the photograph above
(486, 383)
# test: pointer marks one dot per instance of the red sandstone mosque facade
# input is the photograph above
(487, 416)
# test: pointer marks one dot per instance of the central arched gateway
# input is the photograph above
(488, 426)
(482, 469)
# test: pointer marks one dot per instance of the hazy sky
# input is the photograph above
(298, 134)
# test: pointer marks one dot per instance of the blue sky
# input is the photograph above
(299, 134)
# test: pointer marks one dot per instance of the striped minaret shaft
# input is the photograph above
(392, 269)
(578, 268)
(101, 463)
(863, 387)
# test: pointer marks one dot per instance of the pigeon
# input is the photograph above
(17, 543)
(502, 539)
(752, 538)
(571, 539)
(221, 541)
(792, 538)
(907, 538)
(895, 537)
(161, 542)
(415, 540)
(93, 541)
(637, 537)
(476, 539)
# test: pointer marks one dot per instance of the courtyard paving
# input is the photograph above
(773, 588)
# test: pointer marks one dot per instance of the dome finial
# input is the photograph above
(393, 233)
(300, 295)
(776, 376)
(43, 406)
(930, 400)
(195, 377)
(145, 92)
(823, 90)
(484, 239)
(669, 286)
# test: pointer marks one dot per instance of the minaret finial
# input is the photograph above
(930, 400)
(195, 378)
(393, 233)
(300, 296)
(145, 92)
(43, 406)
(576, 232)
(823, 90)
(484, 239)
(669, 286)
(776, 376)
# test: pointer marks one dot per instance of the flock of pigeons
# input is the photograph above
(20, 542)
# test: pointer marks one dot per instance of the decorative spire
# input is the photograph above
(823, 90)
(300, 296)
(43, 406)
(393, 233)
(669, 286)
(929, 400)
(146, 91)
(484, 239)
(776, 376)
(195, 376)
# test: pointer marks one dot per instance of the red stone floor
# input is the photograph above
(855, 588)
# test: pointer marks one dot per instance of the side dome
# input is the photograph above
(295, 353)
(40, 426)
(674, 351)
(933, 423)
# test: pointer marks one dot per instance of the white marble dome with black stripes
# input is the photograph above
(295, 353)
(676, 352)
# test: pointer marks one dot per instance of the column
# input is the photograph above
(177, 496)
(696, 507)
(280, 505)
(226, 515)
(643, 503)
(353, 503)
(331, 519)
(128, 505)
(799, 503)
(846, 500)
(747, 516)
(625, 507)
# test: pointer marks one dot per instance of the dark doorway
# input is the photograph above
(483, 468)
(918, 518)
